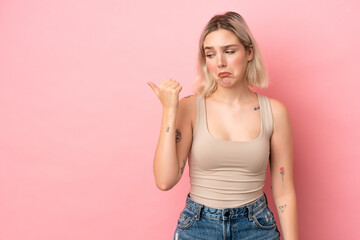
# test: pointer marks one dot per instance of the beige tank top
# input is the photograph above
(228, 174)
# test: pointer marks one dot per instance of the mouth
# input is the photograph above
(224, 74)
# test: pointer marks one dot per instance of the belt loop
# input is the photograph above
(199, 212)
(250, 212)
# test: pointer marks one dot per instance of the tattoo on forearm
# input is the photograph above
(168, 128)
(178, 135)
(282, 172)
(183, 167)
(256, 108)
(282, 208)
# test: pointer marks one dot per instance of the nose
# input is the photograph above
(221, 61)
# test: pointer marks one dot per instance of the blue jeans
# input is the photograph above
(253, 221)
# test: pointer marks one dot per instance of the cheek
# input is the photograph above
(211, 65)
(239, 64)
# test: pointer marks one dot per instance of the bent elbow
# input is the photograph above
(164, 186)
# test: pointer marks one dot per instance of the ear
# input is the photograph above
(250, 53)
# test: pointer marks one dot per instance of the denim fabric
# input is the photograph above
(254, 221)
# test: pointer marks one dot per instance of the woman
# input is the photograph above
(228, 133)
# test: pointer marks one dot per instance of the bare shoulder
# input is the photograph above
(280, 114)
(187, 107)
(279, 110)
(188, 103)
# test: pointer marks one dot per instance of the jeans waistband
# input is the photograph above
(247, 210)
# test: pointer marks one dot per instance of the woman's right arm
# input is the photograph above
(175, 134)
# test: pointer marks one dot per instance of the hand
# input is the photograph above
(168, 93)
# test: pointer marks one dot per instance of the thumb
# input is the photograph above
(153, 87)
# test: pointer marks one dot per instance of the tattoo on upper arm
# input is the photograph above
(282, 172)
(256, 108)
(183, 166)
(178, 135)
(282, 208)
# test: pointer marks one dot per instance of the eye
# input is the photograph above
(230, 52)
(210, 55)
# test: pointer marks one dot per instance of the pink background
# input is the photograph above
(79, 125)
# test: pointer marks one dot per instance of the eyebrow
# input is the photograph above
(223, 47)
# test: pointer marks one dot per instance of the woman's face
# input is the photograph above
(226, 58)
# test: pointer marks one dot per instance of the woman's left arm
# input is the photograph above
(281, 165)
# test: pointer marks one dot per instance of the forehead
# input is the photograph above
(220, 37)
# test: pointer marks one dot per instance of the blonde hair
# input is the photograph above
(255, 75)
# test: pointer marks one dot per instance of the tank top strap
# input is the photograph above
(266, 114)
(200, 112)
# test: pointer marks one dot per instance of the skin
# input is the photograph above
(231, 116)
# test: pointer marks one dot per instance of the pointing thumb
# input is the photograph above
(153, 87)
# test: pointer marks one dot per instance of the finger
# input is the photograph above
(167, 83)
(153, 87)
(173, 84)
(178, 89)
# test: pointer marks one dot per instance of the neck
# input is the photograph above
(239, 94)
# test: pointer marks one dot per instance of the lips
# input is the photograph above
(224, 74)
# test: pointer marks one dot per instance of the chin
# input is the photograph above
(225, 83)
